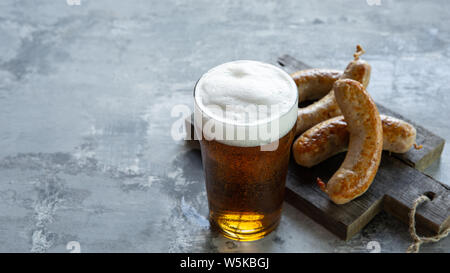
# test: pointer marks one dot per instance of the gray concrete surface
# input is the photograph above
(86, 93)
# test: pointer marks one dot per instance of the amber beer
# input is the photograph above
(245, 177)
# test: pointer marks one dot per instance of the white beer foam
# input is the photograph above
(235, 96)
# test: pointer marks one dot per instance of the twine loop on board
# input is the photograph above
(418, 241)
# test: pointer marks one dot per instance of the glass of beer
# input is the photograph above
(245, 115)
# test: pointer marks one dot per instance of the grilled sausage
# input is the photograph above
(314, 84)
(331, 137)
(361, 163)
(327, 107)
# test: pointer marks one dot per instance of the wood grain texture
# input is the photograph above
(398, 183)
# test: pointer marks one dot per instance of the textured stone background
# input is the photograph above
(86, 94)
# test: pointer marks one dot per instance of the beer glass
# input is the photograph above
(245, 177)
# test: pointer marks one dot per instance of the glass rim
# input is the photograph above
(258, 122)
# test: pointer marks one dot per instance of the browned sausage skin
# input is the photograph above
(331, 137)
(361, 163)
(327, 107)
(398, 135)
(320, 142)
(321, 110)
(314, 84)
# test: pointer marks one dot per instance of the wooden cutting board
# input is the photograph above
(398, 183)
